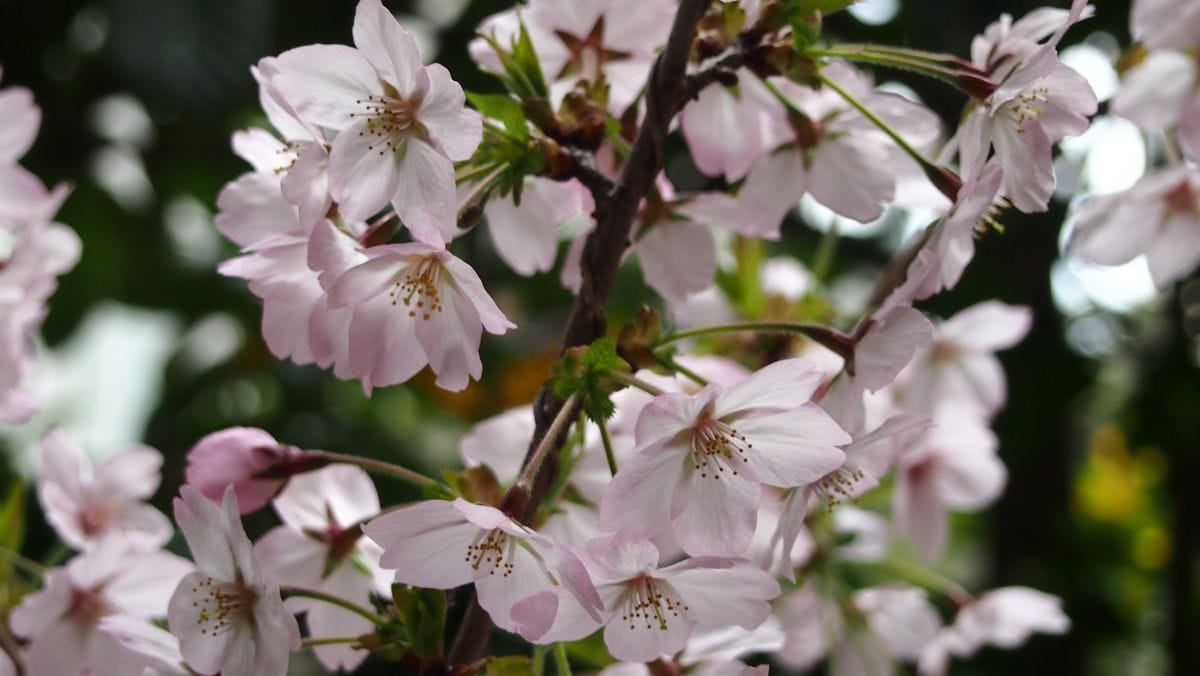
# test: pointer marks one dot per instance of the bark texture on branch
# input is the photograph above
(665, 94)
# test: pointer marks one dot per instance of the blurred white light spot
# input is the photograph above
(1095, 66)
(875, 12)
(89, 29)
(121, 118)
(786, 277)
(1078, 287)
(192, 234)
(1111, 155)
(211, 341)
(1094, 335)
(122, 175)
(102, 384)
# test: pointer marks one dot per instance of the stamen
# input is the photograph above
(716, 447)
(651, 603)
(838, 486)
(420, 288)
(493, 549)
(222, 606)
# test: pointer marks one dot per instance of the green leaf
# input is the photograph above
(527, 59)
(423, 612)
(12, 518)
(503, 109)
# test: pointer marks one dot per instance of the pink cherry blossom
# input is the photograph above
(651, 611)
(1163, 92)
(899, 623)
(228, 615)
(61, 620)
(87, 503)
(832, 152)
(585, 40)
(1165, 24)
(1038, 101)
(702, 458)
(320, 546)
(960, 365)
(415, 304)
(1158, 217)
(401, 125)
(443, 545)
(954, 467)
(247, 459)
(1004, 617)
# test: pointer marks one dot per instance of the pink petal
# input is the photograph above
(852, 176)
(325, 83)
(719, 597)
(717, 516)
(425, 543)
(455, 129)
(425, 199)
(678, 258)
(795, 447)
(637, 502)
(21, 121)
(989, 326)
(390, 49)
(365, 170)
(787, 383)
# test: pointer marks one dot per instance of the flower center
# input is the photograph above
(88, 605)
(651, 603)
(420, 288)
(492, 549)
(944, 351)
(221, 605)
(1028, 105)
(717, 447)
(838, 486)
(96, 515)
(389, 120)
(1182, 199)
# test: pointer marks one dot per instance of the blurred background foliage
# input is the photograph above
(145, 341)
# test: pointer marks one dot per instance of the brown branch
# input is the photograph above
(601, 259)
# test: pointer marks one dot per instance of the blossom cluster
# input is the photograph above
(700, 512)
(34, 252)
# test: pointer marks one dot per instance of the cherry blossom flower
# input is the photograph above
(247, 459)
(228, 615)
(702, 458)
(1004, 617)
(1038, 101)
(415, 304)
(442, 545)
(1165, 24)
(1158, 217)
(954, 466)
(401, 125)
(62, 619)
(320, 546)
(1163, 92)
(899, 622)
(87, 503)
(833, 153)
(960, 365)
(651, 611)
(616, 40)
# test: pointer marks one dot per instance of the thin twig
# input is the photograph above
(601, 258)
